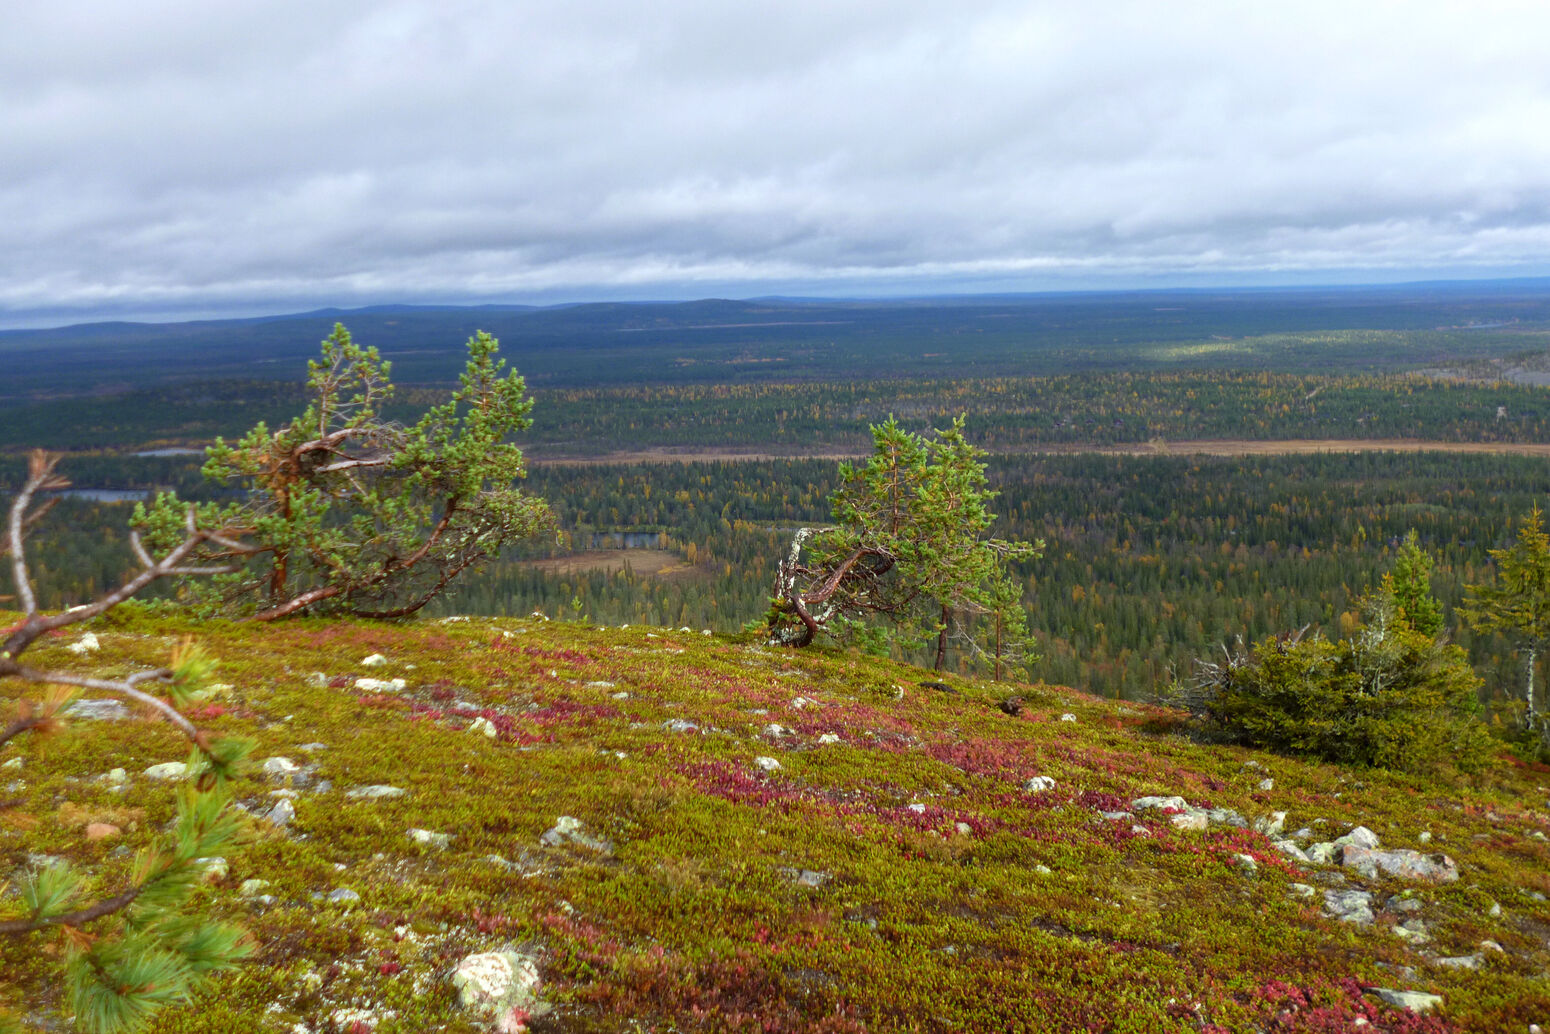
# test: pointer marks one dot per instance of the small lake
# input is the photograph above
(170, 452)
(107, 495)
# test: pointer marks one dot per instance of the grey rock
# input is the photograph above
(279, 769)
(1227, 817)
(806, 877)
(1404, 864)
(1416, 1001)
(498, 987)
(1301, 890)
(1361, 836)
(281, 814)
(680, 725)
(379, 791)
(1267, 784)
(570, 830)
(1349, 906)
(1038, 784)
(167, 770)
(1460, 962)
(343, 896)
(1292, 851)
(1271, 825)
(1117, 816)
(251, 888)
(98, 710)
(1322, 853)
(424, 836)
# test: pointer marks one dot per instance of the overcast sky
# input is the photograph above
(169, 157)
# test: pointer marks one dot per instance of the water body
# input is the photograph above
(107, 495)
(170, 452)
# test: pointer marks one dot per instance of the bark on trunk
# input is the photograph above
(941, 641)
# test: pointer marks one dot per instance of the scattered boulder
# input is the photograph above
(1349, 906)
(424, 836)
(1271, 825)
(381, 685)
(680, 725)
(343, 896)
(1361, 836)
(1301, 890)
(768, 764)
(167, 770)
(570, 830)
(1267, 785)
(1404, 864)
(1068, 717)
(279, 769)
(281, 814)
(1292, 851)
(499, 987)
(1038, 784)
(828, 738)
(376, 660)
(98, 710)
(806, 877)
(1180, 812)
(1416, 1001)
(1322, 853)
(484, 727)
(86, 644)
(1227, 816)
(378, 791)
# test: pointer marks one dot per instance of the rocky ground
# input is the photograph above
(516, 825)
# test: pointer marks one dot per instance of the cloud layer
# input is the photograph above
(188, 156)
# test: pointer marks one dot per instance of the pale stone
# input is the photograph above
(86, 644)
(1349, 906)
(1417, 1001)
(281, 814)
(98, 710)
(376, 792)
(1068, 717)
(1292, 851)
(279, 769)
(1361, 836)
(1038, 784)
(768, 764)
(167, 770)
(376, 660)
(680, 725)
(775, 729)
(425, 836)
(568, 829)
(381, 685)
(1267, 784)
(828, 738)
(1407, 865)
(1322, 853)
(499, 987)
(484, 727)
(1272, 824)
(13, 763)
(343, 896)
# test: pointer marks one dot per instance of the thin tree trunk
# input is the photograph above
(998, 646)
(1533, 655)
(941, 640)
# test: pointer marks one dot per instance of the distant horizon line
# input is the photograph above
(258, 312)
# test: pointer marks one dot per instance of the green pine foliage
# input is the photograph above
(1410, 584)
(352, 512)
(1386, 695)
(910, 548)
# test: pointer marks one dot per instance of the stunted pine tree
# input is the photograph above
(355, 514)
(910, 549)
(137, 947)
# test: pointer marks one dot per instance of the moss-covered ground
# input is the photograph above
(891, 874)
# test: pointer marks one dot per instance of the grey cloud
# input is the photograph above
(182, 154)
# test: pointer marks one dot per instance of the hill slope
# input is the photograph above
(683, 833)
